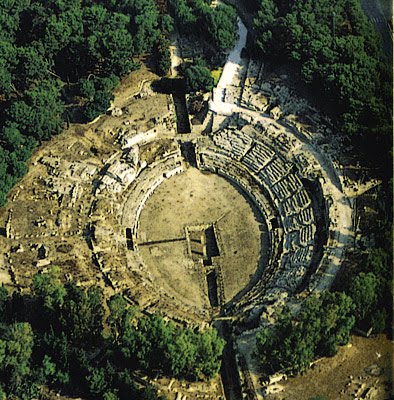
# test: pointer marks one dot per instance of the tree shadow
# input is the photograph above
(169, 86)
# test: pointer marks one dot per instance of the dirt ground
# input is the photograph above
(50, 206)
(191, 199)
(361, 370)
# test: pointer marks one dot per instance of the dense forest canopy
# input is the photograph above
(62, 337)
(216, 25)
(339, 54)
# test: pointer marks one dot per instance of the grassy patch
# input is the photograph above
(216, 74)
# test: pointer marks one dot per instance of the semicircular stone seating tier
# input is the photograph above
(256, 158)
(130, 198)
(148, 181)
(270, 164)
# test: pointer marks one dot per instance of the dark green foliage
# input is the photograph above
(4, 303)
(109, 40)
(67, 309)
(49, 290)
(98, 92)
(221, 26)
(10, 12)
(120, 314)
(163, 56)
(339, 54)
(363, 291)
(183, 14)
(62, 345)
(216, 25)
(96, 381)
(39, 113)
(100, 103)
(152, 343)
(16, 345)
(322, 325)
(81, 315)
(371, 291)
(145, 24)
(167, 24)
(198, 77)
(31, 67)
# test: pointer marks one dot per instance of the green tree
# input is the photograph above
(198, 77)
(182, 353)
(221, 26)
(336, 314)
(96, 381)
(363, 291)
(52, 374)
(183, 14)
(3, 394)
(5, 79)
(49, 290)
(338, 53)
(32, 67)
(144, 24)
(82, 314)
(10, 12)
(208, 353)
(57, 346)
(39, 114)
(98, 91)
(110, 395)
(264, 24)
(163, 56)
(167, 24)
(4, 303)
(63, 29)
(108, 40)
(15, 351)
(323, 324)
(378, 262)
(8, 62)
(11, 138)
(118, 316)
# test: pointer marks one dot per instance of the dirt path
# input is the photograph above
(176, 58)
(230, 71)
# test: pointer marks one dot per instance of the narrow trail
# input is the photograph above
(230, 70)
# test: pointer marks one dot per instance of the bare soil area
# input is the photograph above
(189, 200)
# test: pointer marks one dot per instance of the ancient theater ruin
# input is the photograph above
(246, 213)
